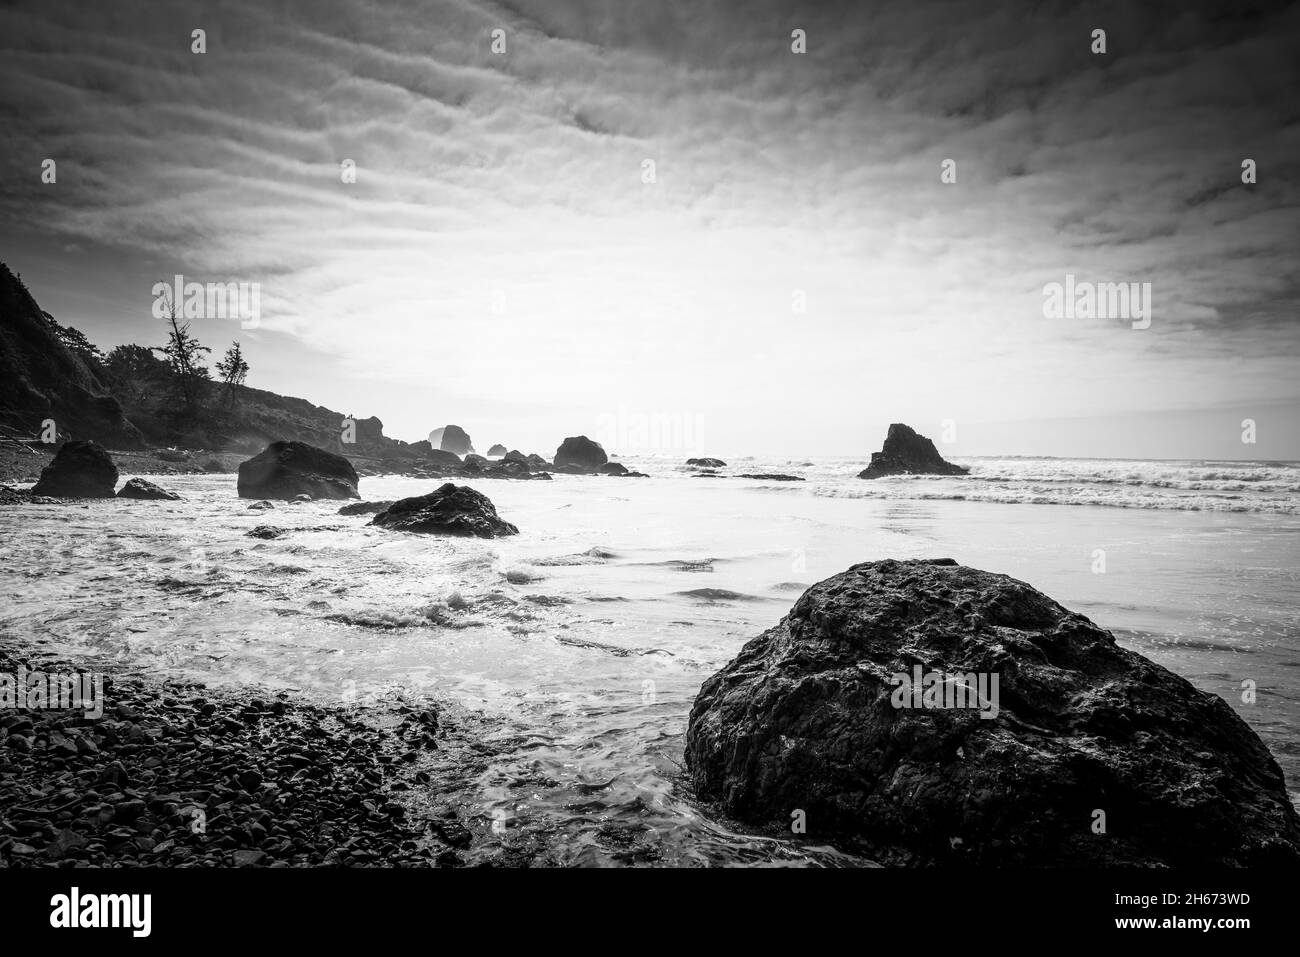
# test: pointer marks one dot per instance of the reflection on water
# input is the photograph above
(570, 654)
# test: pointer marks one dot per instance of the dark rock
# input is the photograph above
(811, 716)
(907, 453)
(707, 463)
(497, 450)
(514, 455)
(248, 858)
(260, 506)
(450, 510)
(364, 508)
(437, 457)
(476, 460)
(512, 469)
(284, 470)
(139, 488)
(537, 462)
(612, 468)
(79, 470)
(266, 532)
(770, 477)
(451, 438)
(580, 451)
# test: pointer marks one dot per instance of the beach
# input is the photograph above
(575, 649)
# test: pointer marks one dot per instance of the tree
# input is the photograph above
(76, 341)
(135, 372)
(184, 356)
(233, 369)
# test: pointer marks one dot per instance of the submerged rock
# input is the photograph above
(580, 452)
(285, 470)
(771, 477)
(449, 510)
(364, 508)
(1065, 729)
(266, 532)
(139, 488)
(81, 469)
(907, 453)
(707, 463)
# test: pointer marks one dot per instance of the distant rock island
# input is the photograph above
(451, 438)
(906, 452)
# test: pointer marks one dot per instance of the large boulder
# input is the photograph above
(1071, 751)
(497, 450)
(285, 470)
(907, 453)
(451, 438)
(707, 463)
(580, 452)
(81, 469)
(450, 510)
(139, 488)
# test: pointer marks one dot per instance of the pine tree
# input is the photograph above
(184, 357)
(233, 370)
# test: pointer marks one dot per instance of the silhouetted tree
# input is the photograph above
(184, 357)
(233, 369)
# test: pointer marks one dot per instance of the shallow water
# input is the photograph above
(574, 650)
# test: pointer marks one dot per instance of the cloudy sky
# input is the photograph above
(795, 277)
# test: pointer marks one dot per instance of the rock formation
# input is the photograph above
(81, 469)
(707, 463)
(497, 450)
(450, 510)
(139, 488)
(285, 470)
(855, 710)
(907, 453)
(365, 508)
(579, 451)
(451, 438)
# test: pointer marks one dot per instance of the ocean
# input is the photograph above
(568, 656)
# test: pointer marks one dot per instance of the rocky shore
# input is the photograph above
(176, 774)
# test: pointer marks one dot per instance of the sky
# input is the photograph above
(659, 225)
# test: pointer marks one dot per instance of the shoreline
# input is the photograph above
(181, 774)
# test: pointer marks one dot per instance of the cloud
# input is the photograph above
(501, 238)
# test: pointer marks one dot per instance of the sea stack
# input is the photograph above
(924, 713)
(451, 438)
(580, 453)
(906, 452)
